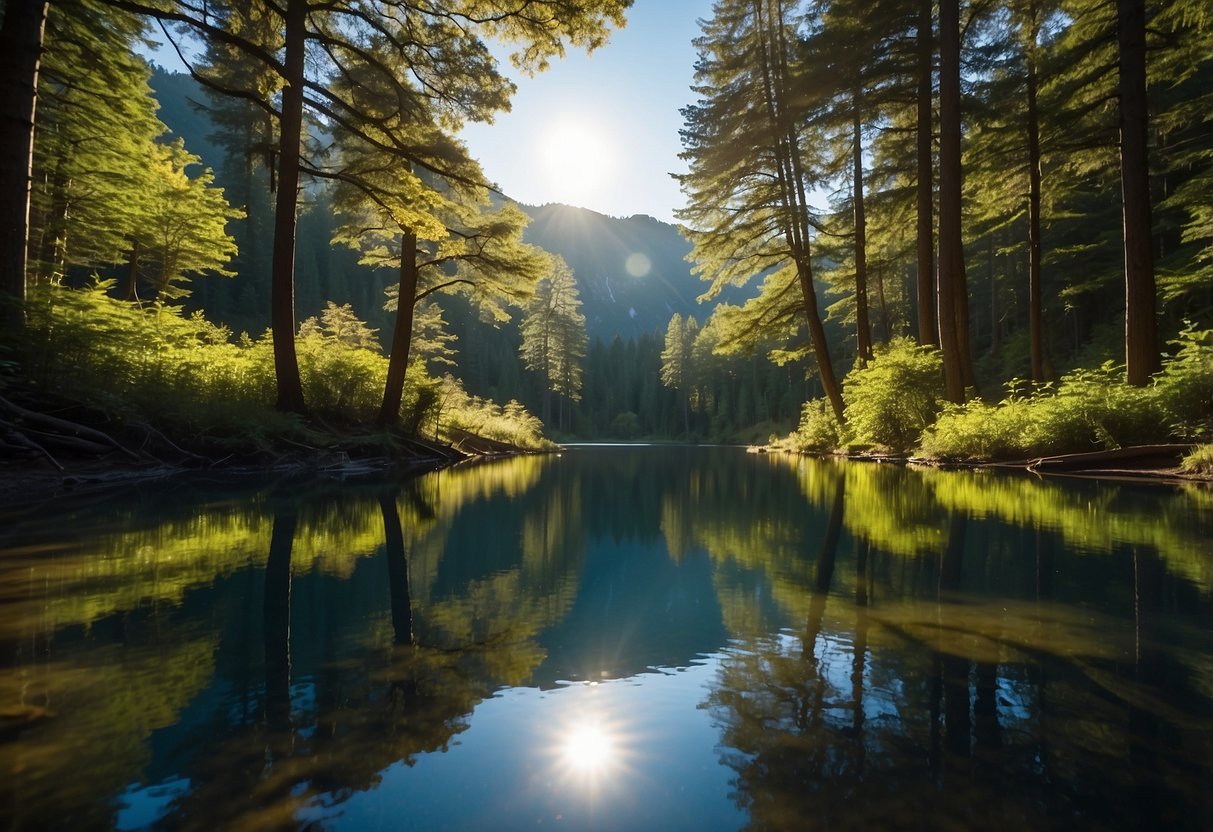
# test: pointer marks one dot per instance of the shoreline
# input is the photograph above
(30, 482)
(1150, 467)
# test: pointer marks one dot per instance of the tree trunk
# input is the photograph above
(1141, 340)
(951, 244)
(132, 274)
(928, 326)
(276, 610)
(817, 336)
(20, 51)
(795, 220)
(1035, 300)
(402, 331)
(863, 328)
(886, 325)
(397, 570)
(282, 281)
(992, 275)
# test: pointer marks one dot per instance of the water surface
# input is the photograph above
(615, 638)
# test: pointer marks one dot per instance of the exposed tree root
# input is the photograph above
(53, 425)
(16, 437)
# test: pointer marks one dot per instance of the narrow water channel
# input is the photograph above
(613, 638)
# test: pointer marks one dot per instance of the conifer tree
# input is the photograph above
(553, 336)
(750, 174)
(677, 371)
(1141, 339)
(110, 190)
(953, 293)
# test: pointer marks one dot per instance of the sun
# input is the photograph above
(576, 159)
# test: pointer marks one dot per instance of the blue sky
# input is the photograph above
(601, 131)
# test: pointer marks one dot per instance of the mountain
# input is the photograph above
(632, 272)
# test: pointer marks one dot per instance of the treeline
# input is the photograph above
(1022, 187)
(736, 398)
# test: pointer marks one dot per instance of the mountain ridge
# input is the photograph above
(632, 272)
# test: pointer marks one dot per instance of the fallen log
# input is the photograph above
(1158, 455)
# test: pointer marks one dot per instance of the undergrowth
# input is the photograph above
(895, 404)
(153, 363)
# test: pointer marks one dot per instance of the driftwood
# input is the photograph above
(479, 445)
(45, 424)
(1160, 456)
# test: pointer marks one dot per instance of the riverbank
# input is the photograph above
(1143, 463)
(76, 449)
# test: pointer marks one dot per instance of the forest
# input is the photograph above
(960, 231)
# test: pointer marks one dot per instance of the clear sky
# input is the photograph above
(601, 131)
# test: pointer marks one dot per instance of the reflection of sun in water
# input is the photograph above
(589, 748)
(575, 160)
(591, 751)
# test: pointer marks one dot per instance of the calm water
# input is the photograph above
(616, 638)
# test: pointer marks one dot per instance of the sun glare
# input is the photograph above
(576, 161)
(638, 264)
(589, 748)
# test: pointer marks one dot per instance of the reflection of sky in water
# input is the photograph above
(511, 768)
(141, 806)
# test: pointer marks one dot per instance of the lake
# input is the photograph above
(612, 638)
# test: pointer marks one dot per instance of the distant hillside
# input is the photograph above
(632, 272)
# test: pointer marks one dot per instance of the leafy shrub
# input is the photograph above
(895, 398)
(140, 362)
(340, 380)
(625, 425)
(1185, 386)
(1199, 461)
(819, 430)
(1087, 410)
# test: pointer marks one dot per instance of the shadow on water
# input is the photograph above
(875, 647)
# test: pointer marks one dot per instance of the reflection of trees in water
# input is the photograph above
(77, 712)
(499, 569)
(331, 734)
(301, 716)
(911, 705)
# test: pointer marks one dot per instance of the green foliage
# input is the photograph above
(553, 333)
(108, 188)
(339, 325)
(454, 410)
(342, 376)
(1087, 410)
(145, 361)
(1185, 386)
(896, 397)
(1199, 461)
(625, 425)
(819, 430)
(155, 363)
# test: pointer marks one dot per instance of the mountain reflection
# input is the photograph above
(878, 645)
